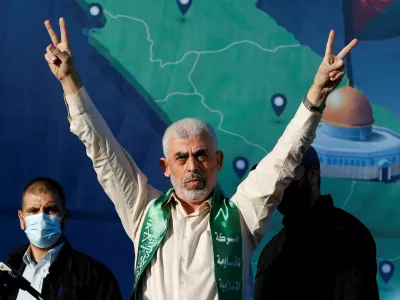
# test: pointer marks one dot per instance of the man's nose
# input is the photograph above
(193, 164)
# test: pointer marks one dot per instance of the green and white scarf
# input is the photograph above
(225, 233)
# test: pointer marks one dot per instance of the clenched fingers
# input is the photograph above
(338, 65)
(54, 51)
(50, 58)
(337, 76)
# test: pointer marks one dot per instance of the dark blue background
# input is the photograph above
(36, 141)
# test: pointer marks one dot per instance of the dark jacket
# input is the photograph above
(326, 255)
(73, 276)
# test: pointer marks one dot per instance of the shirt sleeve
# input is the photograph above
(260, 193)
(118, 174)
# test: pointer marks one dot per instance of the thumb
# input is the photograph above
(57, 53)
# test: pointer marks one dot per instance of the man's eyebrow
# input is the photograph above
(32, 207)
(201, 151)
(181, 154)
(51, 205)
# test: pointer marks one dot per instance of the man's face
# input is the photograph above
(42, 203)
(193, 165)
(298, 196)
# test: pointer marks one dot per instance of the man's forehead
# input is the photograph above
(33, 199)
(190, 143)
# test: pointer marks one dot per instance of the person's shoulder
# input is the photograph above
(348, 223)
(16, 256)
(345, 218)
(355, 246)
(89, 269)
(83, 259)
(20, 251)
(92, 273)
(273, 247)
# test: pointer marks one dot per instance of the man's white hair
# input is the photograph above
(188, 128)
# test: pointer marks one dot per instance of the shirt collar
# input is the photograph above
(50, 256)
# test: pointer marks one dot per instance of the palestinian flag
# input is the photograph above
(373, 19)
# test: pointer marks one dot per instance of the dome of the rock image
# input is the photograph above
(348, 107)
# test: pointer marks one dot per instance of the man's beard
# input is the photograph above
(190, 195)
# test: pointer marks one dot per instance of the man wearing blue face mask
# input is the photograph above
(49, 262)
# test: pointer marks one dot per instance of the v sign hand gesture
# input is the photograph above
(59, 57)
(330, 72)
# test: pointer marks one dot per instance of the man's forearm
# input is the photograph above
(260, 193)
(118, 174)
(71, 84)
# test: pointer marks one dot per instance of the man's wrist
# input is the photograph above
(317, 96)
(71, 84)
(311, 107)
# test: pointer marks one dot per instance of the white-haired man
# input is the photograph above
(191, 242)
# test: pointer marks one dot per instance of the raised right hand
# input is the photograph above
(59, 55)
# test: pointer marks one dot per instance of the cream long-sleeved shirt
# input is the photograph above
(183, 266)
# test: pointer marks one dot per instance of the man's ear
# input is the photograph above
(22, 223)
(220, 159)
(165, 167)
(65, 219)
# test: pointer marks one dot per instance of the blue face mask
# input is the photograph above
(43, 230)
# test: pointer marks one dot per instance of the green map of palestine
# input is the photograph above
(217, 65)
(222, 63)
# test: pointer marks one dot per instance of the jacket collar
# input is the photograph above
(15, 258)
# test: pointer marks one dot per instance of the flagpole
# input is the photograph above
(347, 9)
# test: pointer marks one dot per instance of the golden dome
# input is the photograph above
(348, 107)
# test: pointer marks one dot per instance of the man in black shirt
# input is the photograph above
(49, 262)
(322, 252)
